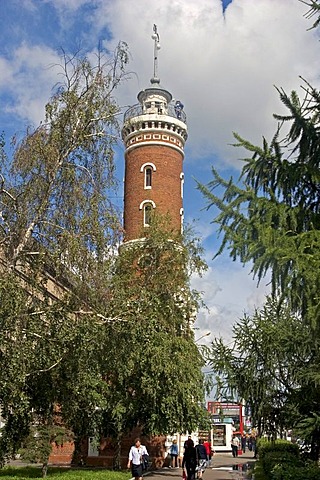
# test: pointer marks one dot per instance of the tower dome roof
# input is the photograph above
(154, 89)
(156, 101)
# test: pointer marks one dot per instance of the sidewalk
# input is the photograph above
(224, 467)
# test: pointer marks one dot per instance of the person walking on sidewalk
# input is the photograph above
(189, 461)
(174, 454)
(207, 446)
(201, 458)
(235, 442)
(243, 442)
(254, 447)
(135, 460)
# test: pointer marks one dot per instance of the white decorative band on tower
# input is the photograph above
(163, 131)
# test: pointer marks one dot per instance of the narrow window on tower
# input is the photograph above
(182, 219)
(146, 206)
(181, 183)
(148, 177)
(147, 215)
(147, 169)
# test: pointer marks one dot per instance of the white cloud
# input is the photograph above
(223, 70)
(67, 5)
(6, 73)
(29, 78)
(228, 292)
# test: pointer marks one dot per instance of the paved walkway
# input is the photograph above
(224, 467)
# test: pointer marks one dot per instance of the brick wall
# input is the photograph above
(155, 446)
(165, 191)
(63, 455)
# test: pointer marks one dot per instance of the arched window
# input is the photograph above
(181, 183)
(147, 215)
(147, 206)
(148, 177)
(182, 219)
(147, 169)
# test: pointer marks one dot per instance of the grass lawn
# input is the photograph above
(23, 473)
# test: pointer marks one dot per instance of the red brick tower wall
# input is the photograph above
(166, 186)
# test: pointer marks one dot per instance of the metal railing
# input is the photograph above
(171, 111)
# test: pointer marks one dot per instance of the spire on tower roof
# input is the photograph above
(156, 38)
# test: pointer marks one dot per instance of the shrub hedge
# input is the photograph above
(280, 460)
(289, 472)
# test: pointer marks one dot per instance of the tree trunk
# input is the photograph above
(315, 447)
(77, 457)
(117, 455)
(44, 470)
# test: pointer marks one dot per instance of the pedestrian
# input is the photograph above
(189, 461)
(212, 452)
(174, 454)
(207, 446)
(235, 442)
(254, 447)
(135, 460)
(188, 441)
(243, 443)
(201, 458)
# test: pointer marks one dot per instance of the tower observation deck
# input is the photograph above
(154, 134)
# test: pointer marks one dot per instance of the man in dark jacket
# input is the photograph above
(201, 458)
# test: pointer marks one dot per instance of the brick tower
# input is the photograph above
(154, 134)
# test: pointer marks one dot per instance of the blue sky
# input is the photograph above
(220, 58)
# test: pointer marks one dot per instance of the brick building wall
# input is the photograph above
(166, 191)
(64, 455)
(107, 451)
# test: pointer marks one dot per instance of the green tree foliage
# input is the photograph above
(55, 190)
(105, 338)
(270, 219)
(314, 10)
(272, 364)
(57, 222)
(37, 445)
(50, 357)
(152, 359)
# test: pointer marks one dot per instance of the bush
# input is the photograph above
(271, 459)
(265, 446)
(278, 452)
(290, 472)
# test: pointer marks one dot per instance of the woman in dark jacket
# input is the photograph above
(189, 461)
